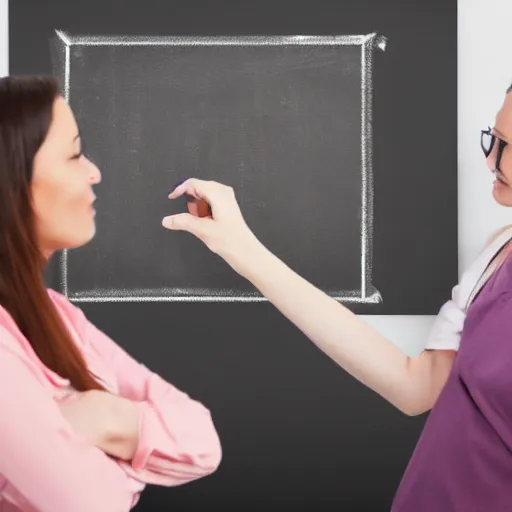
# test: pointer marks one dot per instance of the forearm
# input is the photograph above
(333, 328)
(120, 439)
(107, 421)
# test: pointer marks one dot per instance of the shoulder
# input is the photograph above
(471, 275)
(73, 316)
(83, 331)
(59, 298)
(498, 233)
(504, 279)
(65, 307)
(491, 248)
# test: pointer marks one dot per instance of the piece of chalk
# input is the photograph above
(203, 208)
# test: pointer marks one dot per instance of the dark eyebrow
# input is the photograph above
(77, 136)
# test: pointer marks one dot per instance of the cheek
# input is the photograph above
(56, 202)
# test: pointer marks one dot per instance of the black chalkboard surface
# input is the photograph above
(285, 120)
(335, 122)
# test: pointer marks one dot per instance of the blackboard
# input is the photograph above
(286, 121)
(406, 261)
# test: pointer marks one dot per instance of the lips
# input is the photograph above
(91, 205)
(499, 178)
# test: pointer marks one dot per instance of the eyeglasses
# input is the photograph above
(487, 142)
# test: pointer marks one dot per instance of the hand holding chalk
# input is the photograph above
(214, 217)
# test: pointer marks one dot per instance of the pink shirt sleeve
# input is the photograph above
(178, 441)
(48, 467)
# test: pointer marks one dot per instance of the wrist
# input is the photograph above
(246, 256)
(121, 433)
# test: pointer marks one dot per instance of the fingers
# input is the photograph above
(178, 222)
(201, 189)
(192, 186)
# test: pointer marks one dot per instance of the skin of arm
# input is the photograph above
(107, 421)
(410, 384)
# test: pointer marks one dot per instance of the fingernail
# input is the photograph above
(178, 184)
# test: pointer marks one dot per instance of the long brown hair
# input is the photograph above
(26, 110)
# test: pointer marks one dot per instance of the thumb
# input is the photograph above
(185, 222)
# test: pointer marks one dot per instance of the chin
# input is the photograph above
(503, 197)
(78, 241)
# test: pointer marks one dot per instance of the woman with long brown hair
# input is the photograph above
(83, 426)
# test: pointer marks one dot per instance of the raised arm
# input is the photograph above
(411, 384)
(49, 468)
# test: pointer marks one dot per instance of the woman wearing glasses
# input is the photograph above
(463, 460)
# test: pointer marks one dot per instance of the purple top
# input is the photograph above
(463, 459)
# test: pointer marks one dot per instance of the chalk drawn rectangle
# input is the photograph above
(111, 72)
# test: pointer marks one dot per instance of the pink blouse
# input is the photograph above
(46, 467)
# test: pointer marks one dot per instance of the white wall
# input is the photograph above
(484, 71)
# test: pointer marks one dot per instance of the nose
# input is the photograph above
(94, 173)
(491, 158)
(491, 162)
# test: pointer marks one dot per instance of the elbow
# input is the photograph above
(200, 457)
(410, 404)
(187, 452)
(412, 400)
(208, 454)
(208, 459)
(413, 408)
(415, 411)
(195, 465)
(214, 457)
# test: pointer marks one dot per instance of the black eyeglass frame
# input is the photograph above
(502, 145)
